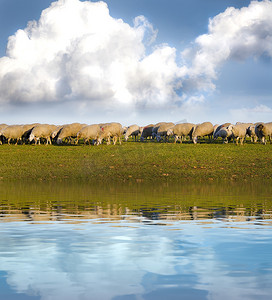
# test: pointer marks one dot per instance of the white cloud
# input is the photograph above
(256, 114)
(235, 34)
(77, 53)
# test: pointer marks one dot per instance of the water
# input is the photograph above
(188, 241)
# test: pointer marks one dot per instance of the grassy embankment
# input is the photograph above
(136, 162)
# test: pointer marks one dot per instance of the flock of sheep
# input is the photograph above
(114, 132)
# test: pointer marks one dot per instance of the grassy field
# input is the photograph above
(137, 162)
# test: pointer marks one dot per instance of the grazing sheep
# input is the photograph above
(155, 129)
(264, 130)
(218, 127)
(112, 130)
(224, 134)
(55, 133)
(13, 132)
(246, 125)
(69, 131)
(238, 132)
(179, 131)
(27, 128)
(134, 131)
(125, 128)
(252, 134)
(88, 132)
(202, 130)
(2, 127)
(42, 131)
(162, 130)
(147, 132)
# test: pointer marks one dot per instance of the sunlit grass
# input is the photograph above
(136, 162)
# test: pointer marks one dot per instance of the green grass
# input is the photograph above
(140, 162)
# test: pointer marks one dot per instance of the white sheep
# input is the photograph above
(216, 128)
(55, 133)
(2, 127)
(238, 132)
(42, 131)
(263, 131)
(125, 128)
(224, 134)
(180, 131)
(88, 132)
(112, 130)
(162, 130)
(252, 134)
(155, 129)
(134, 131)
(69, 131)
(202, 130)
(27, 128)
(13, 132)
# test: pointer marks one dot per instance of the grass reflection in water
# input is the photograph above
(77, 201)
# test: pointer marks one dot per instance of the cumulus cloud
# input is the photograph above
(235, 34)
(77, 53)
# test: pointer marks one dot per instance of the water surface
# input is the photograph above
(135, 241)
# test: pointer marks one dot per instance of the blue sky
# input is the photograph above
(180, 60)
